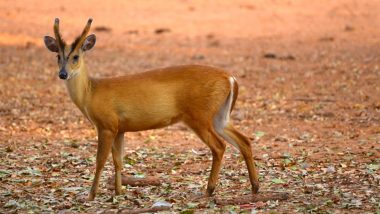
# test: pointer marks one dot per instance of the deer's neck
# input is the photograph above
(79, 88)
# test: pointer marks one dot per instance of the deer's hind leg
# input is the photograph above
(208, 135)
(224, 128)
(243, 144)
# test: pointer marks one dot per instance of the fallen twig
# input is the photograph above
(246, 199)
(144, 210)
(133, 181)
(271, 157)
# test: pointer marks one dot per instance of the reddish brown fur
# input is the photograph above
(127, 104)
(192, 94)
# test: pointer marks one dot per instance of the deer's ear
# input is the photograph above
(89, 42)
(51, 44)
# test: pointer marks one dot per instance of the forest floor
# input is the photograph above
(309, 100)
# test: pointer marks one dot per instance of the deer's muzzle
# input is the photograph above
(63, 74)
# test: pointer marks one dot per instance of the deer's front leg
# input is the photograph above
(117, 155)
(105, 141)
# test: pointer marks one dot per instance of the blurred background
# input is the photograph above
(118, 20)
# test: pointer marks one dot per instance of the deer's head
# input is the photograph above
(70, 57)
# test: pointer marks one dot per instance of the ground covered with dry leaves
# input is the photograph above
(309, 99)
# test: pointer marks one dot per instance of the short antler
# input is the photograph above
(57, 34)
(79, 41)
(86, 29)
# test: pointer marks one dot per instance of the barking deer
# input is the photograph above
(201, 97)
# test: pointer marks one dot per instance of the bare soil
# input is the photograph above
(309, 99)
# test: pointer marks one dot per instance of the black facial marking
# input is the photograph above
(61, 42)
(75, 58)
(75, 43)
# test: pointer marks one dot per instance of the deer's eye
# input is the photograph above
(75, 58)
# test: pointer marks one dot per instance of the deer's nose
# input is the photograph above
(62, 74)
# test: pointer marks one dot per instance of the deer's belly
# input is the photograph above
(145, 121)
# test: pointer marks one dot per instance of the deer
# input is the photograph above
(201, 97)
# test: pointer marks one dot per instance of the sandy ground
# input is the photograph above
(309, 99)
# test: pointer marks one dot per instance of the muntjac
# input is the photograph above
(201, 97)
